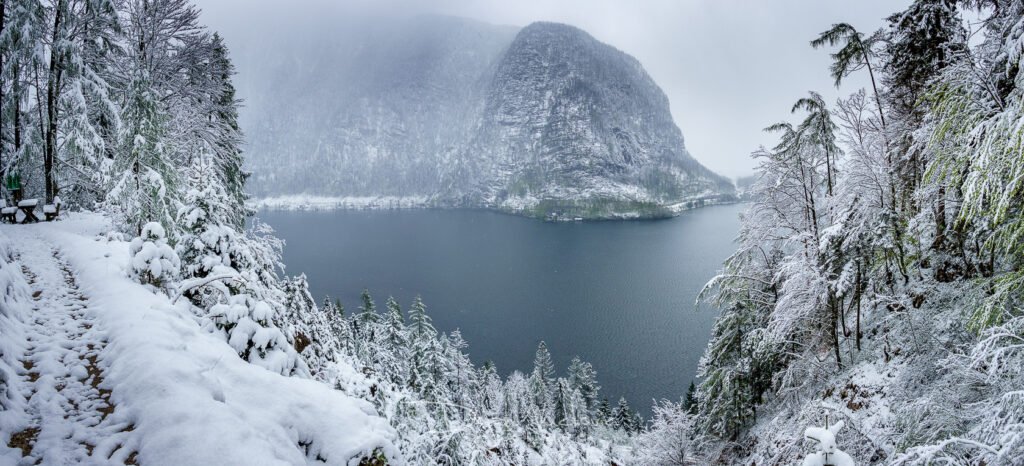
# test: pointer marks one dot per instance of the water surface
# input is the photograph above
(618, 294)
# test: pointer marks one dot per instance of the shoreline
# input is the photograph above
(650, 211)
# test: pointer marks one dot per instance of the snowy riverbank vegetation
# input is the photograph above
(878, 278)
(126, 108)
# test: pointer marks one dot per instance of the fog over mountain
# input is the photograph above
(457, 112)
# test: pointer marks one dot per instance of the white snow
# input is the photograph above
(156, 387)
(314, 202)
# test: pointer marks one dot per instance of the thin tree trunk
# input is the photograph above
(3, 24)
(16, 88)
(835, 329)
(828, 171)
(52, 89)
(874, 87)
(860, 289)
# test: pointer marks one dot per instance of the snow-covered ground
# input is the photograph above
(97, 369)
(314, 202)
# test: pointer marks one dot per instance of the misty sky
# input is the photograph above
(729, 67)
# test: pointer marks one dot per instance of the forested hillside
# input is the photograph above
(878, 276)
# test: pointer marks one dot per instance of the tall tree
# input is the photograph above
(583, 378)
(855, 53)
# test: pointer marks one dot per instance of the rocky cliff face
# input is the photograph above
(577, 123)
(543, 119)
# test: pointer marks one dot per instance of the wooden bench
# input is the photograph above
(8, 213)
(51, 211)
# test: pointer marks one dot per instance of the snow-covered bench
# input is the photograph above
(8, 213)
(51, 211)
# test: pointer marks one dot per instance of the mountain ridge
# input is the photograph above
(457, 113)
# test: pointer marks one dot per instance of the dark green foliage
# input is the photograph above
(690, 400)
(925, 38)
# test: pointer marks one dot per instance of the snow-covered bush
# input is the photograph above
(153, 261)
(246, 324)
(232, 278)
(669, 441)
(827, 453)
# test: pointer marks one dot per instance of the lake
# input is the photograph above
(619, 294)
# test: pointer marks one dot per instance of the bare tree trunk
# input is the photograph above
(874, 87)
(860, 289)
(52, 98)
(3, 24)
(835, 328)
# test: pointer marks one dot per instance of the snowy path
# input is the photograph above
(69, 408)
(98, 369)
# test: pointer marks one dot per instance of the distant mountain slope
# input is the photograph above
(372, 111)
(543, 119)
(569, 118)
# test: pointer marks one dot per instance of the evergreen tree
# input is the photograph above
(604, 412)
(420, 326)
(583, 378)
(491, 392)
(427, 370)
(570, 410)
(542, 382)
(923, 40)
(308, 328)
(462, 376)
(622, 417)
(690, 400)
(365, 322)
(856, 53)
(20, 35)
(145, 184)
(335, 314)
(394, 361)
(225, 135)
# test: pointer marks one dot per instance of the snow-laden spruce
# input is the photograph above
(153, 261)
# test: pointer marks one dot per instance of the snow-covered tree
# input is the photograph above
(669, 441)
(308, 328)
(247, 324)
(152, 261)
(395, 360)
(583, 378)
(623, 417)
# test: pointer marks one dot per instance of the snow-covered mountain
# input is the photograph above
(461, 113)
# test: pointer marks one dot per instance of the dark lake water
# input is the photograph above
(618, 294)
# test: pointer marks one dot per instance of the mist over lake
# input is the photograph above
(618, 294)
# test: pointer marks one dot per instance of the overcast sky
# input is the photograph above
(729, 67)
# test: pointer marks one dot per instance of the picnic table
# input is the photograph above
(28, 207)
